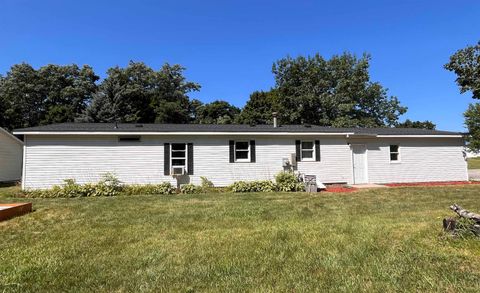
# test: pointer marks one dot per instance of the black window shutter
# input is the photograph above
(190, 158)
(253, 157)
(166, 159)
(297, 150)
(232, 151)
(317, 150)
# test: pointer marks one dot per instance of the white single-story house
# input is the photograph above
(154, 153)
(11, 152)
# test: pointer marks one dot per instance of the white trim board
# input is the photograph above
(11, 136)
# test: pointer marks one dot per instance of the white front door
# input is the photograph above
(359, 153)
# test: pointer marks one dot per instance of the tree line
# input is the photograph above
(330, 92)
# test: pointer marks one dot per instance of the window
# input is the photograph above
(242, 151)
(308, 151)
(129, 138)
(178, 158)
(394, 153)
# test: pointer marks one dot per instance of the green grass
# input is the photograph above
(371, 241)
(474, 163)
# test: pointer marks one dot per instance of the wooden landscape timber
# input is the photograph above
(450, 224)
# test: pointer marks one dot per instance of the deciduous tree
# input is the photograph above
(137, 93)
(51, 94)
(465, 63)
(335, 92)
(217, 112)
(416, 124)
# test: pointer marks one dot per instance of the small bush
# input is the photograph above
(206, 183)
(284, 181)
(162, 188)
(253, 186)
(190, 189)
(263, 186)
(109, 185)
(288, 181)
(240, 186)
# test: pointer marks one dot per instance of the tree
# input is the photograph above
(335, 92)
(416, 124)
(68, 90)
(472, 121)
(124, 95)
(170, 102)
(22, 97)
(259, 108)
(137, 93)
(194, 107)
(51, 94)
(217, 112)
(465, 63)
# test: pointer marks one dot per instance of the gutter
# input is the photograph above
(180, 133)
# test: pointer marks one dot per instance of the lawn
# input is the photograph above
(473, 163)
(377, 240)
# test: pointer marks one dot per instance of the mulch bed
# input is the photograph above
(440, 183)
(340, 188)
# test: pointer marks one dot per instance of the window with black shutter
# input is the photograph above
(307, 150)
(242, 151)
(178, 158)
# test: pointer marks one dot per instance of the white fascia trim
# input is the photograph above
(24, 164)
(181, 133)
(423, 136)
(11, 136)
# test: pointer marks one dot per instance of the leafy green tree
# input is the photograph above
(472, 121)
(137, 93)
(217, 112)
(259, 108)
(51, 94)
(465, 63)
(171, 94)
(194, 107)
(68, 91)
(124, 95)
(335, 92)
(416, 124)
(22, 96)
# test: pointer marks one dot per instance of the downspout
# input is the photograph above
(24, 161)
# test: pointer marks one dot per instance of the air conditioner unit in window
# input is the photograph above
(178, 170)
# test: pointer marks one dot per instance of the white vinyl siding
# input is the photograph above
(11, 153)
(420, 160)
(51, 159)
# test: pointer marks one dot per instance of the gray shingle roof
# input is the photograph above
(138, 127)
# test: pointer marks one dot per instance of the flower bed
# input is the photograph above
(340, 188)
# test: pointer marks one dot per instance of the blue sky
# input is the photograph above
(229, 46)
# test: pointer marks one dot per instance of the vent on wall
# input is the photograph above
(129, 138)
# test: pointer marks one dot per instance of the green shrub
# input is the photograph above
(288, 181)
(284, 181)
(206, 183)
(253, 186)
(162, 188)
(109, 185)
(190, 189)
(263, 186)
(240, 186)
